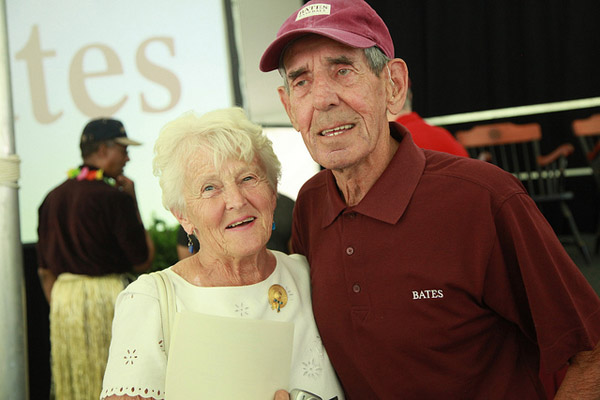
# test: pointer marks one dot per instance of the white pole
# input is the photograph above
(13, 332)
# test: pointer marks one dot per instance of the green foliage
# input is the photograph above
(165, 244)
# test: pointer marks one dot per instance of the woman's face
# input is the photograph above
(230, 209)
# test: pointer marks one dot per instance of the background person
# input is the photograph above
(433, 276)
(424, 135)
(218, 174)
(90, 235)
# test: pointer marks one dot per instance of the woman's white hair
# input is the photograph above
(227, 133)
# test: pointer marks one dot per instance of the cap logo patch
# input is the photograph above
(312, 10)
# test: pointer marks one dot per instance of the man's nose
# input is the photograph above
(324, 93)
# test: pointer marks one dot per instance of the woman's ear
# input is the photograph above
(396, 74)
(187, 226)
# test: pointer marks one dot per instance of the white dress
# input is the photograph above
(137, 361)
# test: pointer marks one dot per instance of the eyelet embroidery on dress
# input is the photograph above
(314, 355)
(241, 309)
(157, 394)
(312, 369)
(130, 357)
(161, 344)
(290, 292)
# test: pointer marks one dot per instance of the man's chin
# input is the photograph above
(337, 160)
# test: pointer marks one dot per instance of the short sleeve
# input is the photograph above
(137, 360)
(532, 282)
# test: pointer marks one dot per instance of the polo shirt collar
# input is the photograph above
(390, 195)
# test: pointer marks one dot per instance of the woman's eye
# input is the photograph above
(208, 188)
(248, 178)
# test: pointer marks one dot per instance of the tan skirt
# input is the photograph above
(81, 314)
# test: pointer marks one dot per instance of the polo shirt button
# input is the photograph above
(356, 288)
(351, 215)
(349, 250)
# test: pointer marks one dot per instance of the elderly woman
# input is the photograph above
(218, 175)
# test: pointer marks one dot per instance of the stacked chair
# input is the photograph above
(516, 149)
(587, 132)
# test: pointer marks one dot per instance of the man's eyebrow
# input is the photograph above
(345, 60)
(340, 60)
(296, 73)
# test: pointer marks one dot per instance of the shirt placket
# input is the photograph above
(354, 265)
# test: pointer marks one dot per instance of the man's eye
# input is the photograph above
(344, 71)
(300, 83)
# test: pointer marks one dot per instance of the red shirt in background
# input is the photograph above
(431, 137)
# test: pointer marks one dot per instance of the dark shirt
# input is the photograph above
(444, 282)
(89, 228)
(283, 224)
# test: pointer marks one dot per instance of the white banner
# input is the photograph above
(141, 61)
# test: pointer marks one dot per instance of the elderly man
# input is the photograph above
(90, 235)
(433, 276)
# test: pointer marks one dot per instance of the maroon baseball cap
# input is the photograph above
(351, 22)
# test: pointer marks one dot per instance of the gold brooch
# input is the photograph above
(277, 297)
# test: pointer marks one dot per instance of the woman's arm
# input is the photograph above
(136, 365)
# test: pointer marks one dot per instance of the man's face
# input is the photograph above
(115, 159)
(335, 101)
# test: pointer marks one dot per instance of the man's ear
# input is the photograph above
(284, 97)
(396, 76)
(102, 149)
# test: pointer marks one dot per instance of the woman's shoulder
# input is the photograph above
(296, 264)
(290, 259)
(146, 283)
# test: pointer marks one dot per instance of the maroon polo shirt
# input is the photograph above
(89, 228)
(445, 281)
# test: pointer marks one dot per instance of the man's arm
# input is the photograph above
(582, 381)
(47, 280)
(126, 185)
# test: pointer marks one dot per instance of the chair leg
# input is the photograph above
(597, 236)
(578, 239)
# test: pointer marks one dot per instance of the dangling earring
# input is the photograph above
(190, 244)
(273, 228)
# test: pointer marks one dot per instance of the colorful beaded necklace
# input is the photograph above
(88, 174)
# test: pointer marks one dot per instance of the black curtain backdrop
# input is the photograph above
(478, 55)
(475, 55)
